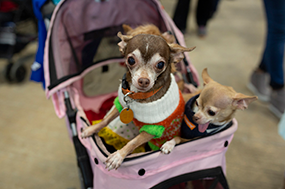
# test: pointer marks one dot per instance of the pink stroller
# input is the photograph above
(83, 67)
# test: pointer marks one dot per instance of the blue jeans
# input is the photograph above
(273, 56)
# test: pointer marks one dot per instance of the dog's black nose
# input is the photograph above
(195, 118)
(143, 82)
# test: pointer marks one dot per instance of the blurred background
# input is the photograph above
(35, 149)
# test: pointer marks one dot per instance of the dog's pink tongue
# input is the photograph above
(203, 127)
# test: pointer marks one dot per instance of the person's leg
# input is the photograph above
(273, 56)
(181, 14)
(274, 53)
(215, 6)
(205, 10)
(270, 71)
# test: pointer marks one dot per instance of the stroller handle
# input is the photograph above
(70, 113)
(83, 160)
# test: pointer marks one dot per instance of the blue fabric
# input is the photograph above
(37, 67)
(272, 60)
(55, 1)
(186, 132)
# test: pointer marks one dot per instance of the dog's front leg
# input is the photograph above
(168, 146)
(112, 114)
(115, 160)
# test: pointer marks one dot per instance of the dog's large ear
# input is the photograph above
(169, 37)
(176, 52)
(125, 39)
(241, 101)
(206, 77)
(127, 28)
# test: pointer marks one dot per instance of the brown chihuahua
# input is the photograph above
(170, 39)
(209, 112)
(149, 29)
(148, 95)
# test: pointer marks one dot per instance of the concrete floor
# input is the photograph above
(35, 150)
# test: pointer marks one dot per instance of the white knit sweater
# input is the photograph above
(158, 110)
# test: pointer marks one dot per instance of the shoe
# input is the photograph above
(277, 102)
(202, 31)
(259, 85)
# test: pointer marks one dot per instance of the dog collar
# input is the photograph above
(136, 95)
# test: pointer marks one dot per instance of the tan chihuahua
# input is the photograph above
(148, 94)
(209, 112)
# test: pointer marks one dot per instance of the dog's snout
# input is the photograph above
(143, 82)
(195, 118)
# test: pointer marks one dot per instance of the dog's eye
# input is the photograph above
(160, 65)
(196, 103)
(131, 61)
(211, 113)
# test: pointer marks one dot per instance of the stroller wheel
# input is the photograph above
(82, 184)
(19, 73)
(8, 71)
(15, 72)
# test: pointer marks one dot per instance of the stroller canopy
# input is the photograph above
(78, 29)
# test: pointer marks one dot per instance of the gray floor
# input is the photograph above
(35, 150)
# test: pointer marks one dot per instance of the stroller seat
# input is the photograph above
(193, 160)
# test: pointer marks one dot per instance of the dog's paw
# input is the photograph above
(167, 147)
(114, 161)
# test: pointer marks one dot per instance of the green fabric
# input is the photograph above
(117, 104)
(152, 146)
(156, 130)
